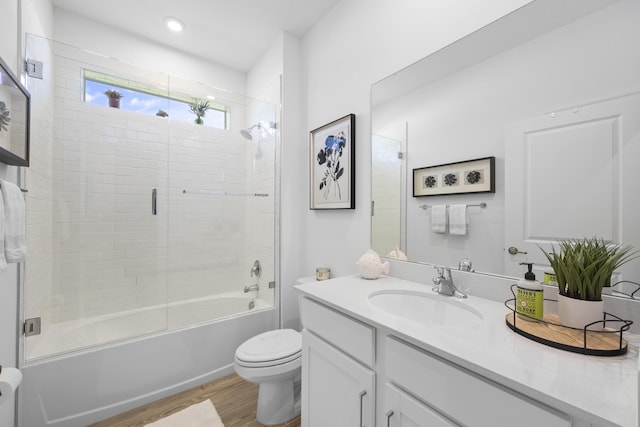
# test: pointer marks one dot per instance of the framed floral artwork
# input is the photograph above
(469, 176)
(14, 119)
(333, 165)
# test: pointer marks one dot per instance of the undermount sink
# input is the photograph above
(427, 308)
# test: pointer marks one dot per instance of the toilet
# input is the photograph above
(273, 360)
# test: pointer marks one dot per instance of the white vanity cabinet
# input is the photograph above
(459, 395)
(363, 365)
(338, 384)
(414, 387)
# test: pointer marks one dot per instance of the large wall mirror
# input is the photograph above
(552, 91)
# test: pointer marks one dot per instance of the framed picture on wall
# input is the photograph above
(333, 165)
(14, 119)
(469, 176)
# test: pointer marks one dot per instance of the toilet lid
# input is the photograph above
(278, 345)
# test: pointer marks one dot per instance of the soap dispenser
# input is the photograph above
(529, 296)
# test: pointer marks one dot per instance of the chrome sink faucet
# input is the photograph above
(444, 283)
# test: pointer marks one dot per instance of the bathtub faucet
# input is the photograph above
(251, 288)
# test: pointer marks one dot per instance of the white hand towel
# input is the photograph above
(15, 249)
(439, 218)
(458, 219)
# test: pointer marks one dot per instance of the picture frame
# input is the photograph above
(15, 113)
(332, 164)
(469, 176)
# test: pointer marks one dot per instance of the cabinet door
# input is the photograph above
(336, 390)
(461, 395)
(402, 410)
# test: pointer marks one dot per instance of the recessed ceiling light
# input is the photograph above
(211, 97)
(173, 23)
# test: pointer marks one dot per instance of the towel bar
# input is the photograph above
(225, 193)
(482, 205)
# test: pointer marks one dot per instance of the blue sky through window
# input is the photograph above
(149, 104)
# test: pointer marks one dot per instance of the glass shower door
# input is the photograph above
(142, 220)
(96, 205)
(222, 199)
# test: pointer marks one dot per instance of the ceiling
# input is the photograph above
(233, 33)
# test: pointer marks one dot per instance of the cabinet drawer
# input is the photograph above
(462, 395)
(348, 334)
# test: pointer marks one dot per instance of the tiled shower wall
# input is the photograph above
(109, 253)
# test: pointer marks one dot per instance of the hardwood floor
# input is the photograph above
(234, 398)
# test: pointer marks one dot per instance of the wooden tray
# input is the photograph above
(608, 342)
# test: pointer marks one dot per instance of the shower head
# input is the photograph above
(246, 133)
(262, 125)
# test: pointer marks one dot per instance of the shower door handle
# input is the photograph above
(154, 201)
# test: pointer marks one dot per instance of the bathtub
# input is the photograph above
(82, 387)
(88, 332)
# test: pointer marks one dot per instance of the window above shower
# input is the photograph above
(116, 92)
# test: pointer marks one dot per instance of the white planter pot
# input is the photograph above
(577, 313)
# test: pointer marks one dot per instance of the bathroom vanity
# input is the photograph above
(392, 352)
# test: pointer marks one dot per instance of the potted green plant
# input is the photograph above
(583, 268)
(114, 98)
(199, 108)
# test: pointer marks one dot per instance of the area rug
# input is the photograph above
(201, 414)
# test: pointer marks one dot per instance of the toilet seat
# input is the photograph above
(270, 348)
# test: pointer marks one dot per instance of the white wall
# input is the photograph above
(292, 188)
(8, 278)
(10, 36)
(35, 17)
(84, 33)
(283, 61)
(356, 44)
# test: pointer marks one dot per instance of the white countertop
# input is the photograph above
(600, 390)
